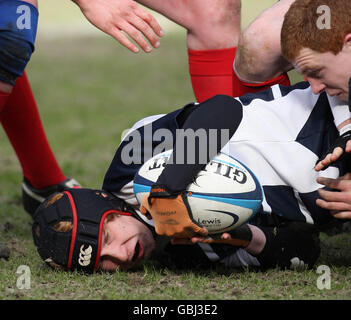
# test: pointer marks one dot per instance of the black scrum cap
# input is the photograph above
(79, 248)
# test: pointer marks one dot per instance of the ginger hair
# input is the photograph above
(302, 30)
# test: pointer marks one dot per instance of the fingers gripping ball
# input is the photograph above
(223, 196)
(171, 214)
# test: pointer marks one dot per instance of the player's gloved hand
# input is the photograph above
(239, 237)
(171, 214)
(337, 151)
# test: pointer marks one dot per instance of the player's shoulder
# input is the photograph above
(277, 92)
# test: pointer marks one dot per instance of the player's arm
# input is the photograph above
(342, 145)
(340, 148)
(290, 245)
(121, 18)
(167, 202)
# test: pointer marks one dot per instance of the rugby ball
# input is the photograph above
(223, 196)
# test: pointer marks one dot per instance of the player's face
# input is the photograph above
(125, 242)
(326, 71)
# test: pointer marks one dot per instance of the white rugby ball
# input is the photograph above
(223, 196)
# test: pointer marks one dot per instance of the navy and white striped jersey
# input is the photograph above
(283, 132)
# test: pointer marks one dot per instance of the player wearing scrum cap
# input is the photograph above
(283, 159)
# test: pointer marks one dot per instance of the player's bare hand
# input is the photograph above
(338, 201)
(121, 18)
(341, 147)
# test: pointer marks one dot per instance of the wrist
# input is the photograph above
(345, 128)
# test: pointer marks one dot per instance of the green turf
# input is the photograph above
(89, 90)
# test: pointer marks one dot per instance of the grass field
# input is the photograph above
(89, 89)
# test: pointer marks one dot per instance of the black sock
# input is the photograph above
(283, 244)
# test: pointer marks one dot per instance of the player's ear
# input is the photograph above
(347, 42)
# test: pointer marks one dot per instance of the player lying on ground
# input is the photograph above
(307, 125)
(282, 159)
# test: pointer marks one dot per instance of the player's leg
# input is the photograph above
(16, 44)
(258, 57)
(5, 90)
(213, 30)
(212, 38)
(16, 47)
(21, 121)
(18, 111)
(293, 245)
(204, 20)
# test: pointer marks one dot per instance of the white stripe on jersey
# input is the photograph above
(303, 208)
(340, 110)
(141, 123)
(266, 207)
(276, 91)
(276, 120)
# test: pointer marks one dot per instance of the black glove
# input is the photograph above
(339, 142)
(239, 237)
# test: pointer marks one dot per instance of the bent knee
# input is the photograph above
(258, 58)
(253, 54)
